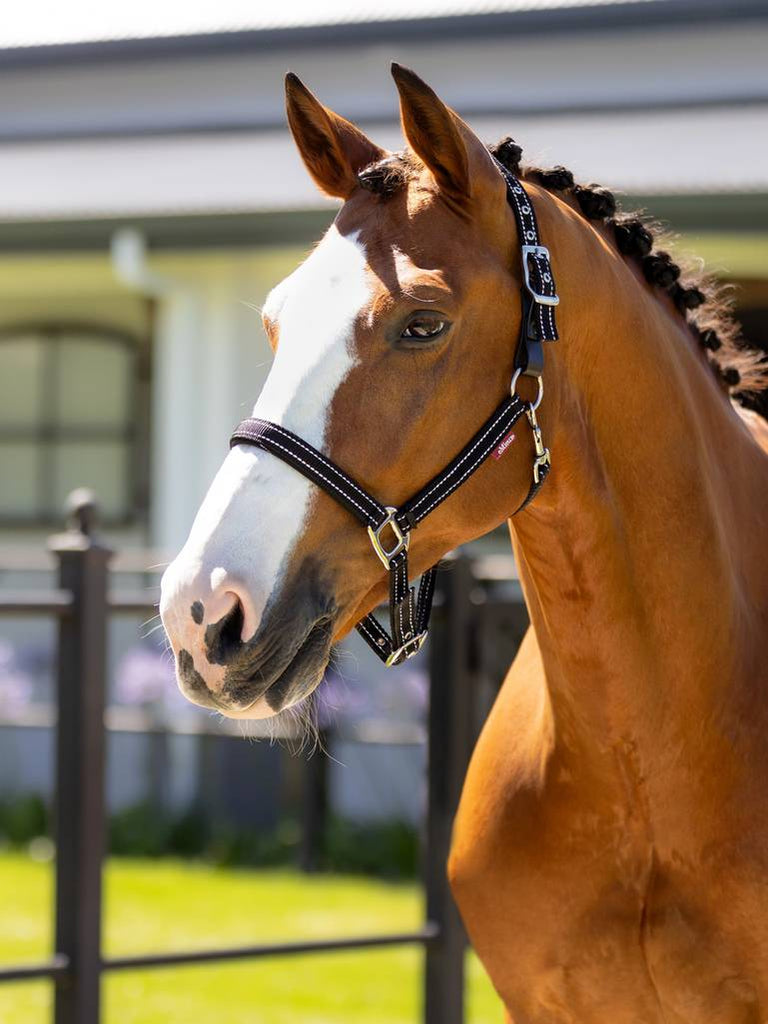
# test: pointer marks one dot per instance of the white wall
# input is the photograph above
(210, 360)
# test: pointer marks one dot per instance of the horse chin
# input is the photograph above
(303, 674)
(258, 711)
(261, 709)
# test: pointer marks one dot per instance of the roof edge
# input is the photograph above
(107, 130)
(582, 18)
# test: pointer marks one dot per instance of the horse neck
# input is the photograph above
(641, 559)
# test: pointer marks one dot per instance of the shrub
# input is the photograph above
(24, 818)
(386, 850)
(140, 831)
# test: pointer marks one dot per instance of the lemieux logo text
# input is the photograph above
(503, 445)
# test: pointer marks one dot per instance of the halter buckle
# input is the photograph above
(538, 297)
(409, 648)
(402, 540)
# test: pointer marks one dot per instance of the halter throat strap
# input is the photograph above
(389, 528)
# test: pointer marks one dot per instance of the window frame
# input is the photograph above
(47, 432)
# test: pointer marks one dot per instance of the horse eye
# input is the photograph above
(423, 328)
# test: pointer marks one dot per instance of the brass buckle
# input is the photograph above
(402, 540)
(409, 648)
(541, 299)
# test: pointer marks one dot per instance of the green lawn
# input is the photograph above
(163, 905)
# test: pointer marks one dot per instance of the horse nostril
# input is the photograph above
(224, 638)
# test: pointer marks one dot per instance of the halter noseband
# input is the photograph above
(409, 612)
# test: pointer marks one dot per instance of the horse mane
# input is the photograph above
(706, 305)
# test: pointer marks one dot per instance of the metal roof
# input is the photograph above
(81, 31)
(142, 19)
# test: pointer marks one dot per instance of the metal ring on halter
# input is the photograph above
(534, 405)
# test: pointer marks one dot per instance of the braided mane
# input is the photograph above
(705, 304)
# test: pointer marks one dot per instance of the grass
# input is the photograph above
(164, 905)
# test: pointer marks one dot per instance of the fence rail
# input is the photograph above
(39, 602)
(82, 604)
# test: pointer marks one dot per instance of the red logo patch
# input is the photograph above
(503, 445)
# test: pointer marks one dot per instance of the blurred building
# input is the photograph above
(150, 195)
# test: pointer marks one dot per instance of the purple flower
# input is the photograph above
(144, 676)
(415, 689)
(338, 701)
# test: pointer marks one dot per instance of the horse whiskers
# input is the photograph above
(302, 717)
(150, 632)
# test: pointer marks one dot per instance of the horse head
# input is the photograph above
(393, 342)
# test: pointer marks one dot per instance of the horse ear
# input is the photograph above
(438, 136)
(333, 149)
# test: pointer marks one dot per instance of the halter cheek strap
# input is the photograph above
(389, 528)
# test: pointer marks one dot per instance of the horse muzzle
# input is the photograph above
(223, 663)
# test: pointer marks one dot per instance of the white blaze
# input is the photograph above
(315, 309)
(256, 507)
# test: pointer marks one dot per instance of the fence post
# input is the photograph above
(80, 744)
(450, 742)
(314, 807)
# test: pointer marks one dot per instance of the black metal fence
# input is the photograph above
(469, 612)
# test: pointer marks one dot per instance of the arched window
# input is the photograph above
(72, 413)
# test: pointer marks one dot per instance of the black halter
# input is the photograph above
(408, 612)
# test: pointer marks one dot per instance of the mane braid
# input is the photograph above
(705, 304)
(742, 370)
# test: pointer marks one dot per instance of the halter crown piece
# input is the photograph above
(390, 528)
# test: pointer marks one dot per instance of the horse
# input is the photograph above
(610, 850)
